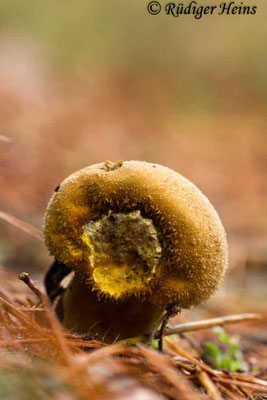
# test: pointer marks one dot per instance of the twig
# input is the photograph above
(18, 223)
(171, 312)
(24, 276)
(209, 323)
(193, 326)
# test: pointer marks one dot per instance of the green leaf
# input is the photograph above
(222, 335)
(213, 353)
(228, 356)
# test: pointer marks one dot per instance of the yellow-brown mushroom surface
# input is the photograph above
(134, 232)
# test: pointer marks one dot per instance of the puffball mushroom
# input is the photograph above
(139, 237)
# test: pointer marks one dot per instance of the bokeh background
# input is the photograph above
(83, 82)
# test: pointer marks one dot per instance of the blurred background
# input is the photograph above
(84, 82)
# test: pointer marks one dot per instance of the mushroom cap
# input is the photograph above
(193, 255)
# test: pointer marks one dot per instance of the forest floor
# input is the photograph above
(39, 359)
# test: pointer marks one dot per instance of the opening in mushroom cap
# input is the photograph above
(124, 252)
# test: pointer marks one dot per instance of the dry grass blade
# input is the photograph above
(26, 309)
(4, 343)
(229, 395)
(209, 385)
(59, 336)
(181, 352)
(86, 344)
(105, 352)
(5, 139)
(217, 376)
(18, 223)
(240, 383)
(184, 388)
(158, 373)
(21, 316)
(181, 378)
(249, 379)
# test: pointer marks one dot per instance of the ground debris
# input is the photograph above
(40, 356)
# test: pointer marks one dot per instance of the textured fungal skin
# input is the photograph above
(190, 247)
(85, 312)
